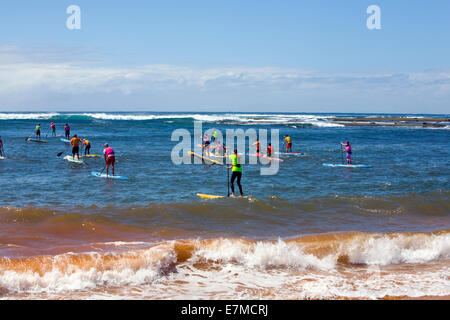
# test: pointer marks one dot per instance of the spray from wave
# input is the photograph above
(318, 266)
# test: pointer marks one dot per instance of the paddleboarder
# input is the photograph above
(236, 170)
(288, 143)
(87, 146)
(38, 131)
(348, 149)
(53, 127)
(269, 150)
(206, 144)
(1, 147)
(110, 159)
(67, 131)
(75, 142)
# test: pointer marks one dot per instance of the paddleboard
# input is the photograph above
(92, 155)
(348, 165)
(290, 154)
(97, 174)
(35, 140)
(2, 158)
(211, 146)
(74, 160)
(264, 157)
(205, 158)
(65, 140)
(209, 196)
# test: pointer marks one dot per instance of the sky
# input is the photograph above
(268, 56)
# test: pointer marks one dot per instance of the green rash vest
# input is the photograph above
(234, 161)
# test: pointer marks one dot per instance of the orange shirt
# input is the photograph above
(75, 141)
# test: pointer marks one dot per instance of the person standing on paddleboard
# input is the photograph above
(221, 149)
(38, 131)
(75, 142)
(236, 172)
(67, 131)
(257, 147)
(206, 144)
(288, 142)
(214, 136)
(1, 147)
(269, 150)
(87, 146)
(348, 149)
(53, 127)
(110, 159)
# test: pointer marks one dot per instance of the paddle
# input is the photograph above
(342, 154)
(102, 170)
(228, 181)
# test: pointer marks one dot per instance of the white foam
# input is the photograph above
(385, 250)
(262, 119)
(26, 116)
(137, 268)
(411, 265)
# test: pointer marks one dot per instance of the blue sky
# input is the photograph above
(295, 56)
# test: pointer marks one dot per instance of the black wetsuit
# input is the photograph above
(236, 175)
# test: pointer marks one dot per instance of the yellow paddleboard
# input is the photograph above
(205, 158)
(208, 196)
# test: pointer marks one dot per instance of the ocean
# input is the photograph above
(306, 232)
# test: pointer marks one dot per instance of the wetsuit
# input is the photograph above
(214, 136)
(237, 173)
(67, 130)
(348, 149)
(38, 132)
(53, 128)
(110, 158)
(87, 149)
(288, 144)
(75, 142)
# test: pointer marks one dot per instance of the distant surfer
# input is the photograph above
(214, 136)
(269, 150)
(206, 143)
(110, 159)
(221, 149)
(288, 142)
(38, 131)
(348, 149)
(257, 147)
(236, 172)
(87, 146)
(67, 131)
(53, 127)
(1, 147)
(75, 142)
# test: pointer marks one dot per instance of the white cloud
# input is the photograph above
(24, 81)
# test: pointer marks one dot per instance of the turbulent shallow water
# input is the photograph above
(308, 231)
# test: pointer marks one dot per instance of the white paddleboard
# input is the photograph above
(74, 160)
(98, 175)
(348, 165)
